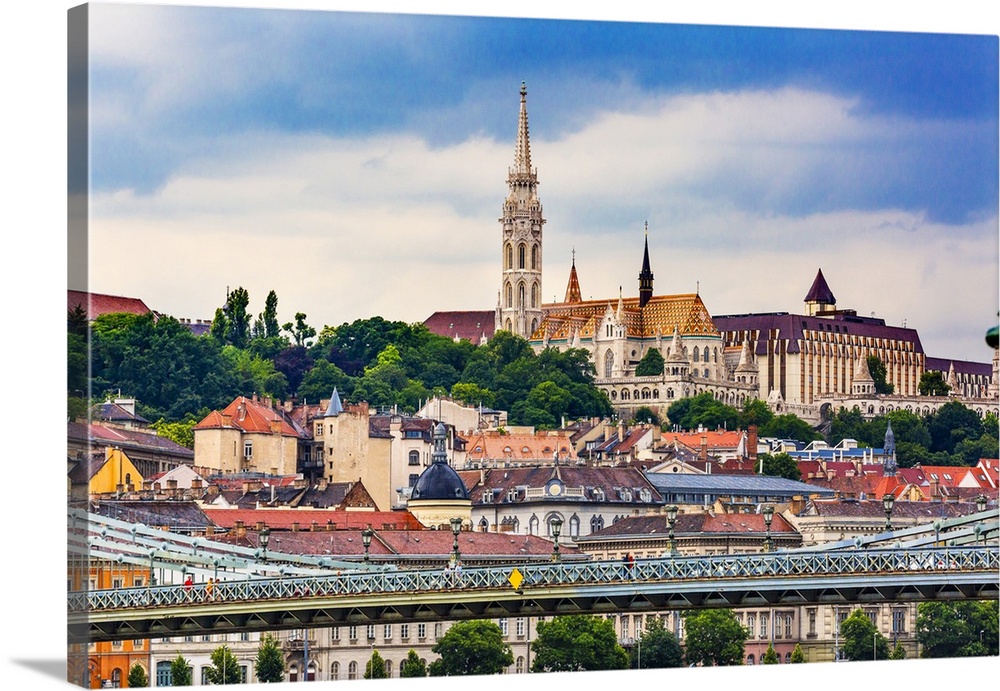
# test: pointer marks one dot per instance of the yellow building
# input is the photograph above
(116, 474)
(247, 435)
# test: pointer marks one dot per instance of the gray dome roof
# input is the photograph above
(439, 481)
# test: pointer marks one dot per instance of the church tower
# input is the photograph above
(519, 308)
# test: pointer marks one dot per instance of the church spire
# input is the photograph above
(573, 288)
(645, 275)
(522, 149)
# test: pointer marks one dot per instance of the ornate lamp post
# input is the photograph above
(556, 524)
(456, 528)
(887, 502)
(366, 540)
(671, 519)
(264, 537)
(768, 512)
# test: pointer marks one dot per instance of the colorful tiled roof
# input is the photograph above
(519, 447)
(661, 315)
(249, 416)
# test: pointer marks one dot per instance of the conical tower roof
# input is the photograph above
(573, 287)
(820, 292)
(335, 407)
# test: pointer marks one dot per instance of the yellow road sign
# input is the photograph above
(515, 579)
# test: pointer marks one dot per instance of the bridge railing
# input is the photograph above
(717, 567)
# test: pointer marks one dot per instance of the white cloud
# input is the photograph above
(345, 229)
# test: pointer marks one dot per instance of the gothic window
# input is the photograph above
(533, 526)
(520, 256)
(534, 325)
(534, 256)
(534, 295)
(510, 257)
(520, 295)
(696, 353)
(510, 300)
(704, 355)
(609, 363)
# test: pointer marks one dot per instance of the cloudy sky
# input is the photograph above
(356, 163)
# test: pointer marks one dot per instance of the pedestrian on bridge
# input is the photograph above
(188, 583)
(446, 576)
(208, 588)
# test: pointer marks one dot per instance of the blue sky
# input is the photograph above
(355, 163)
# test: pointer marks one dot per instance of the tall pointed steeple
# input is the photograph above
(335, 407)
(645, 275)
(889, 448)
(573, 288)
(520, 310)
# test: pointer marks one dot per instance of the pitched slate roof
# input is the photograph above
(100, 434)
(495, 483)
(943, 365)
(925, 511)
(676, 483)
(283, 519)
(155, 513)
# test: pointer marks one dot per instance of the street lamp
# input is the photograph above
(456, 528)
(264, 536)
(366, 540)
(887, 502)
(556, 524)
(671, 519)
(768, 512)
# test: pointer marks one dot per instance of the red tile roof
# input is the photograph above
(470, 325)
(96, 304)
(250, 416)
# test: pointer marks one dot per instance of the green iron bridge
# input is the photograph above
(906, 566)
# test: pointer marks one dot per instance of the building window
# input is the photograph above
(788, 626)
(388, 669)
(404, 632)
(414, 458)
(519, 627)
(387, 632)
(335, 633)
(763, 626)
(504, 625)
(421, 631)
(248, 448)
(811, 614)
(352, 670)
(204, 676)
(335, 671)
(437, 631)
(370, 632)
(898, 621)
(519, 665)
(750, 659)
(244, 635)
(352, 632)
(163, 676)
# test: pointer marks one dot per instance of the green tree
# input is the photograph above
(877, 369)
(577, 642)
(137, 677)
(225, 667)
(789, 426)
(952, 423)
(471, 647)
(656, 648)
(301, 331)
(237, 317)
(780, 465)
(646, 414)
(269, 666)
(965, 628)
(702, 410)
(932, 383)
(412, 666)
(755, 412)
(651, 364)
(375, 667)
(180, 672)
(770, 656)
(472, 394)
(798, 657)
(860, 639)
(898, 652)
(714, 637)
(180, 432)
(269, 317)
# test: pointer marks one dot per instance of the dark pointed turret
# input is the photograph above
(820, 298)
(646, 275)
